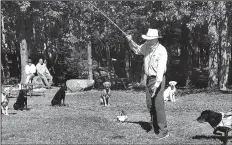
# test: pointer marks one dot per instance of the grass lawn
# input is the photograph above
(85, 121)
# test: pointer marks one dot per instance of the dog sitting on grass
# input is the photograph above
(219, 121)
(4, 104)
(59, 96)
(21, 100)
(105, 97)
(170, 92)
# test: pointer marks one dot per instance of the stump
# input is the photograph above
(75, 85)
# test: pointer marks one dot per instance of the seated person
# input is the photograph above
(43, 72)
(30, 71)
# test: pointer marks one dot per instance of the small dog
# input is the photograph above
(219, 121)
(122, 116)
(21, 100)
(59, 96)
(105, 97)
(4, 103)
(170, 92)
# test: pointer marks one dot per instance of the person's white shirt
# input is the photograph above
(41, 69)
(30, 69)
(155, 59)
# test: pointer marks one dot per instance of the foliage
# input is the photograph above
(59, 32)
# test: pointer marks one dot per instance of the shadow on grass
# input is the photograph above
(117, 137)
(145, 125)
(62, 105)
(12, 113)
(27, 109)
(221, 138)
(34, 95)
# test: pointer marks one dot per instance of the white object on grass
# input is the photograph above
(122, 118)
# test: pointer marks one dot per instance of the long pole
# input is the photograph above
(109, 19)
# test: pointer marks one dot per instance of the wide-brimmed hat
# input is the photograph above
(29, 61)
(151, 34)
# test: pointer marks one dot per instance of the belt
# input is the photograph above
(151, 77)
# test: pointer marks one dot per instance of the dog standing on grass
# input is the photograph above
(170, 92)
(59, 96)
(21, 100)
(4, 104)
(219, 121)
(105, 97)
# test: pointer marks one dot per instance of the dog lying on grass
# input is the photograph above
(4, 104)
(122, 116)
(219, 121)
(59, 96)
(170, 92)
(105, 97)
(21, 101)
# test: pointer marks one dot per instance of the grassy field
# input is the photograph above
(85, 121)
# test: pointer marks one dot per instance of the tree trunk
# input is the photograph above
(3, 80)
(108, 60)
(225, 55)
(24, 57)
(185, 56)
(6, 71)
(213, 55)
(90, 61)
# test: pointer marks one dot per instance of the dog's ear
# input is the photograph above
(174, 83)
(206, 114)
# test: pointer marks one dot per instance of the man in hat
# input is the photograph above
(155, 60)
(43, 72)
(30, 71)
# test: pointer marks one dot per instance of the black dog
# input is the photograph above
(219, 121)
(59, 96)
(21, 101)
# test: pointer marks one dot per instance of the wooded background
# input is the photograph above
(196, 34)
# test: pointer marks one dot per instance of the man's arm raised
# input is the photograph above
(137, 49)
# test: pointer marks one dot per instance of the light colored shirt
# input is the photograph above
(42, 69)
(155, 59)
(30, 69)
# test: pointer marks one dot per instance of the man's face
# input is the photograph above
(29, 63)
(41, 61)
(152, 42)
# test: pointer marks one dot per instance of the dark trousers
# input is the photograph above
(155, 105)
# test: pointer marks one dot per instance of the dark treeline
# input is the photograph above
(197, 36)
